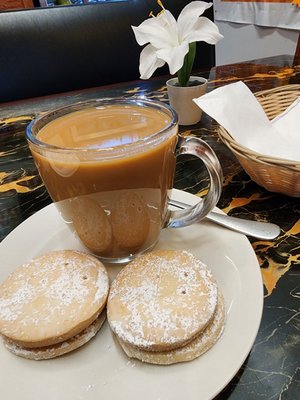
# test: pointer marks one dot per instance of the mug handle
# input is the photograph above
(190, 215)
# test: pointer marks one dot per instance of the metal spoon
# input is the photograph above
(260, 230)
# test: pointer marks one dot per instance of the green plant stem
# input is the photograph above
(185, 72)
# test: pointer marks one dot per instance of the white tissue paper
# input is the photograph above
(236, 109)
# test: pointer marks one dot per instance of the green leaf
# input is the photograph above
(185, 72)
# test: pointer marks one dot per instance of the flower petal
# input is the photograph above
(205, 30)
(189, 16)
(149, 62)
(160, 31)
(174, 57)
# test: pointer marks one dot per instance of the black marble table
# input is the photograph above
(272, 369)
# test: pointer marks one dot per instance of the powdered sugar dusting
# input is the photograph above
(10, 308)
(102, 285)
(42, 353)
(196, 347)
(67, 288)
(161, 300)
(210, 335)
(51, 294)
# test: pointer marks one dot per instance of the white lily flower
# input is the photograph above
(169, 39)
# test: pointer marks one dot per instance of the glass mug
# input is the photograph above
(109, 164)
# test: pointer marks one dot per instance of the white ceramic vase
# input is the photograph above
(181, 99)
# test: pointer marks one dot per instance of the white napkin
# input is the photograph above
(236, 108)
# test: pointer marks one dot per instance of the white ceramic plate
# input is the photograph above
(100, 370)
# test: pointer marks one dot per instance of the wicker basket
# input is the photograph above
(274, 174)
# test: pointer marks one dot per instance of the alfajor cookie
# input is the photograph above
(92, 225)
(58, 349)
(195, 348)
(162, 300)
(52, 298)
(130, 220)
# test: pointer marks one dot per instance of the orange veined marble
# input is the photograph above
(240, 202)
(272, 274)
(4, 187)
(16, 119)
(274, 271)
(295, 229)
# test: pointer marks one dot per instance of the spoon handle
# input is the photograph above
(259, 230)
